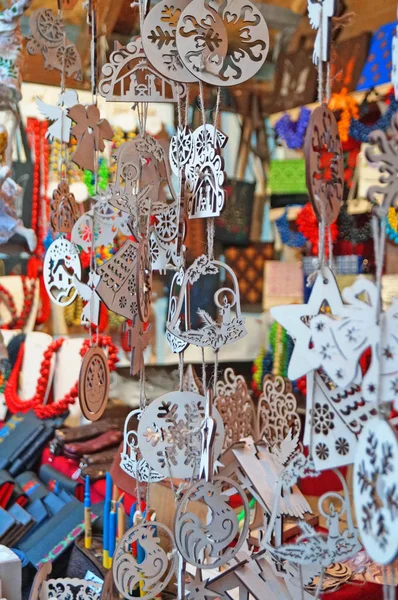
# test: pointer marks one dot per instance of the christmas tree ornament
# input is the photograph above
(130, 77)
(94, 381)
(61, 125)
(61, 262)
(375, 485)
(214, 333)
(48, 38)
(170, 434)
(91, 132)
(207, 544)
(159, 40)
(64, 209)
(324, 164)
(157, 568)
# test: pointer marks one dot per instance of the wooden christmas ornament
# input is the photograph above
(159, 40)
(154, 572)
(277, 410)
(48, 38)
(74, 589)
(383, 151)
(61, 262)
(87, 291)
(90, 131)
(94, 381)
(320, 15)
(169, 434)
(375, 488)
(222, 43)
(130, 77)
(207, 545)
(109, 221)
(61, 125)
(164, 239)
(131, 460)
(214, 333)
(138, 341)
(235, 407)
(64, 209)
(324, 164)
(191, 382)
(176, 344)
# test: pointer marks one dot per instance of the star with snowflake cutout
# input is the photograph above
(196, 588)
(296, 319)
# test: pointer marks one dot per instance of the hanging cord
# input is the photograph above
(379, 242)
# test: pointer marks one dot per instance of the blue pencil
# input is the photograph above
(107, 510)
(113, 525)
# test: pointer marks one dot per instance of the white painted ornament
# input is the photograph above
(277, 410)
(170, 436)
(375, 487)
(61, 264)
(131, 460)
(61, 125)
(320, 15)
(176, 344)
(229, 327)
(87, 291)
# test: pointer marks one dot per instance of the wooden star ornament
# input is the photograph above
(90, 131)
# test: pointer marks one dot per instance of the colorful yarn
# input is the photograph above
(294, 239)
(103, 178)
(392, 225)
(361, 132)
(293, 133)
(308, 225)
(348, 107)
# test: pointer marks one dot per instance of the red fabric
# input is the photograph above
(368, 591)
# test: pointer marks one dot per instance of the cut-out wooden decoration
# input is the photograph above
(375, 488)
(229, 327)
(277, 410)
(383, 151)
(235, 407)
(191, 382)
(73, 589)
(159, 40)
(176, 344)
(131, 460)
(335, 418)
(164, 239)
(138, 341)
(48, 38)
(207, 544)
(64, 209)
(324, 164)
(130, 77)
(170, 437)
(87, 291)
(118, 284)
(43, 572)
(222, 43)
(61, 263)
(320, 15)
(157, 568)
(61, 125)
(91, 132)
(94, 381)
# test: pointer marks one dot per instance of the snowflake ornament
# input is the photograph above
(376, 490)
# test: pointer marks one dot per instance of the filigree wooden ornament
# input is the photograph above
(324, 164)
(214, 333)
(375, 488)
(74, 589)
(94, 381)
(207, 545)
(235, 406)
(61, 263)
(138, 341)
(159, 40)
(129, 77)
(48, 37)
(60, 127)
(118, 285)
(277, 410)
(87, 291)
(169, 434)
(177, 345)
(154, 572)
(91, 132)
(109, 221)
(320, 15)
(64, 209)
(131, 460)
(164, 239)
(191, 382)
(222, 43)
(383, 151)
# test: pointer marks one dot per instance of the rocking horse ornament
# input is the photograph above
(157, 568)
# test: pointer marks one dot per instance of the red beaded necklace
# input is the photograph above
(45, 411)
(28, 289)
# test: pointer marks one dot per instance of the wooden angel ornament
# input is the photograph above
(91, 132)
(61, 125)
(320, 13)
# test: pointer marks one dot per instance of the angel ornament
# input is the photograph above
(320, 13)
(10, 195)
(87, 291)
(90, 131)
(61, 125)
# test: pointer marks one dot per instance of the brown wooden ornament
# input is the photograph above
(48, 38)
(94, 381)
(324, 165)
(144, 281)
(64, 209)
(90, 131)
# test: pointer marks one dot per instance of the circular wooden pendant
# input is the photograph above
(375, 485)
(324, 164)
(61, 268)
(94, 380)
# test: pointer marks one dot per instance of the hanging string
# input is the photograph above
(204, 384)
(330, 247)
(181, 371)
(320, 58)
